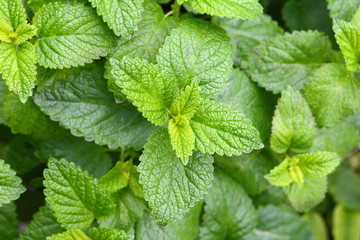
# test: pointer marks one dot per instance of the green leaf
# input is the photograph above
(118, 177)
(280, 175)
(12, 12)
(318, 225)
(73, 234)
(348, 37)
(287, 60)
(355, 21)
(245, 35)
(75, 197)
(205, 61)
(187, 102)
(6, 32)
(346, 223)
(8, 222)
(293, 126)
(24, 32)
(10, 184)
(107, 234)
(94, 115)
(228, 210)
(309, 194)
(18, 68)
(170, 187)
(332, 94)
(247, 169)
(69, 41)
(42, 225)
(249, 9)
(3, 91)
(35, 5)
(219, 129)
(245, 96)
(122, 16)
(151, 90)
(343, 9)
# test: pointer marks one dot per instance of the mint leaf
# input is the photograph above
(12, 12)
(186, 103)
(245, 96)
(3, 90)
(219, 129)
(293, 126)
(170, 187)
(122, 16)
(18, 68)
(107, 233)
(151, 90)
(118, 177)
(280, 175)
(345, 223)
(205, 61)
(24, 32)
(348, 37)
(332, 94)
(343, 9)
(69, 41)
(8, 222)
(287, 60)
(42, 225)
(228, 210)
(73, 234)
(94, 115)
(249, 9)
(245, 35)
(317, 224)
(75, 197)
(6, 32)
(10, 184)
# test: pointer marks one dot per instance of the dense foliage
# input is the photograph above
(180, 120)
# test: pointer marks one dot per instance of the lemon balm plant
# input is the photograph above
(158, 119)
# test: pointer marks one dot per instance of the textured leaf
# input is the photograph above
(118, 177)
(107, 234)
(24, 32)
(243, 9)
(70, 34)
(10, 184)
(43, 224)
(122, 16)
(219, 129)
(18, 68)
(170, 187)
(343, 9)
(187, 102)
(293, 126)
(245, 96)
(287, 60)
(228, 210)
(348, 37)
(151, 90)
(35, 5)
(280, 175)
(197, 52)
(94, 115)
(309, 194)
(73, 234)
(247, 169)
(332, 94)
(75, 197)
(346, 223)
(8, 222)
(245, 35)
(12, 12)
(6, 32)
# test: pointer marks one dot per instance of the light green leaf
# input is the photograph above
(12, 12)
(10, 184)
(170, 187)
(346, 224)
(245, 96)
(243, 9)
(280, 175)
(348, 37)
(122, 16)
(308, 195)
(8, 222)
(73, 234)
(151, 90)
(94, 115)
(219, 129)
(197, 52)
(6, 32)
(75, 197)
(70, 41)
(287, 60)
(118, 177)
(18, 68)
(228, 210)
(318, 225)
(107, 234)
(355, 21)
(35, 5)
(343, 9)
(245, 35)
(42, 225)
(24, 32)
(332, 94)
(186, 103)
(293, 126)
